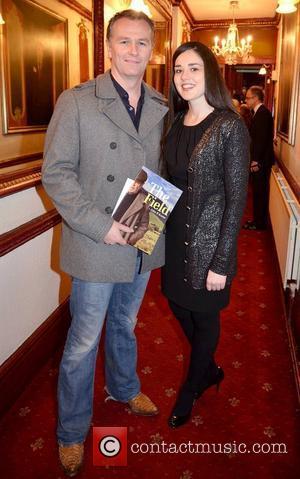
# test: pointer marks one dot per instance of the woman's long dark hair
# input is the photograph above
(216, 93)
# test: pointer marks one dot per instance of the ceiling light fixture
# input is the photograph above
(286, 6)
(231, 47)
(140, 6)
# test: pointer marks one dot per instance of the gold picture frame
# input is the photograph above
(289, 78)
(33, 64)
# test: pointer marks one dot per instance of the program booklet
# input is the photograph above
(144, 205)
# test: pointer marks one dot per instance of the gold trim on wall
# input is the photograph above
(289, 81)
(18, 180)
(78, 8)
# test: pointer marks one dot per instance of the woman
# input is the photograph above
(206, 154)
(245, 113)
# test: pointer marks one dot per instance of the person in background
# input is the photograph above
(207, 156)
(236, 104)
(246, 114)
(262, 157)
(102, 132)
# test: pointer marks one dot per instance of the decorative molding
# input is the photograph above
(22, 234)
(224, 23)
(162, 6)
(187, 12)
(74, 5)
(99, 34)
(20, 368)
(18, 180)
(18, 160)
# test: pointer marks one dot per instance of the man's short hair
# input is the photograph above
(131, 15)
(258, 91)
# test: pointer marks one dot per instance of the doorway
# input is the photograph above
(240, 77)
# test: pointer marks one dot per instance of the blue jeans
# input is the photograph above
(89, 304)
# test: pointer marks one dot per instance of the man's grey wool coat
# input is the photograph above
(91, 148)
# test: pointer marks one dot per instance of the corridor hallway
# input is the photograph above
(256, 403)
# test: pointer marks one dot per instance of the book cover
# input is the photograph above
(144, 205)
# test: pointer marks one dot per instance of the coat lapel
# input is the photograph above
(153, 111)
(111, 105)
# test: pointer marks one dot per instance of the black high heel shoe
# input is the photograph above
(177, 421)
(182, 410)
(216, 380)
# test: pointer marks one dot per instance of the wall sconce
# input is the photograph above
(262, 70)
(286, 6)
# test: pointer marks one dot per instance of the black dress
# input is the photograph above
(180, 143)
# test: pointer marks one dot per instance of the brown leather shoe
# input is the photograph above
(71, 458)
(143, 406)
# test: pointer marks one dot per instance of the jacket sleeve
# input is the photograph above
(236, 170)
(262, 132)
(60, 172)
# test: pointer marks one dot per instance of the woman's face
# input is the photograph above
(189, 76)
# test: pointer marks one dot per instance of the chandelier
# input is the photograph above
(231, 47)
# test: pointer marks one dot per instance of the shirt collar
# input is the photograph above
(123, 93)
(256, 107)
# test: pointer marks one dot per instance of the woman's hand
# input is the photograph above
(215, 282)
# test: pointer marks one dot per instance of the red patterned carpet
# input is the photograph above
(256, 402)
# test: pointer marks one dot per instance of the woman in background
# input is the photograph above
(206, 155)
(245, 113)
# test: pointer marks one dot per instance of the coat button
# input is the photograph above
(190, 188)
(185, 280)
(187, 226)
(190, 169)
(110, 178)
(108, 210)
(185, 261)
(113, 145)
(188, 207)
(186, 243)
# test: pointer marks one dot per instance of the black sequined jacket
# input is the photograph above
(217, 190)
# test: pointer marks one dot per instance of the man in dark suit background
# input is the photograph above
(262, 156)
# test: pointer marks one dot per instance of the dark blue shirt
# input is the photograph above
(135, 116)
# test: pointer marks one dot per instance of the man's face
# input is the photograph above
(135, 187)
(251, 100)
(129, 48)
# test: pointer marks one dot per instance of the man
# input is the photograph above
(133, 211)
(102, 132)
(262, 157)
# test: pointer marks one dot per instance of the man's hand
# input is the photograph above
(215, 282)
(114, 235)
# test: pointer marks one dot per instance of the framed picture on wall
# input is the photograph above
(155, 76)
(34, 64)
(289, 78)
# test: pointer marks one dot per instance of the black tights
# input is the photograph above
(202, 331)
